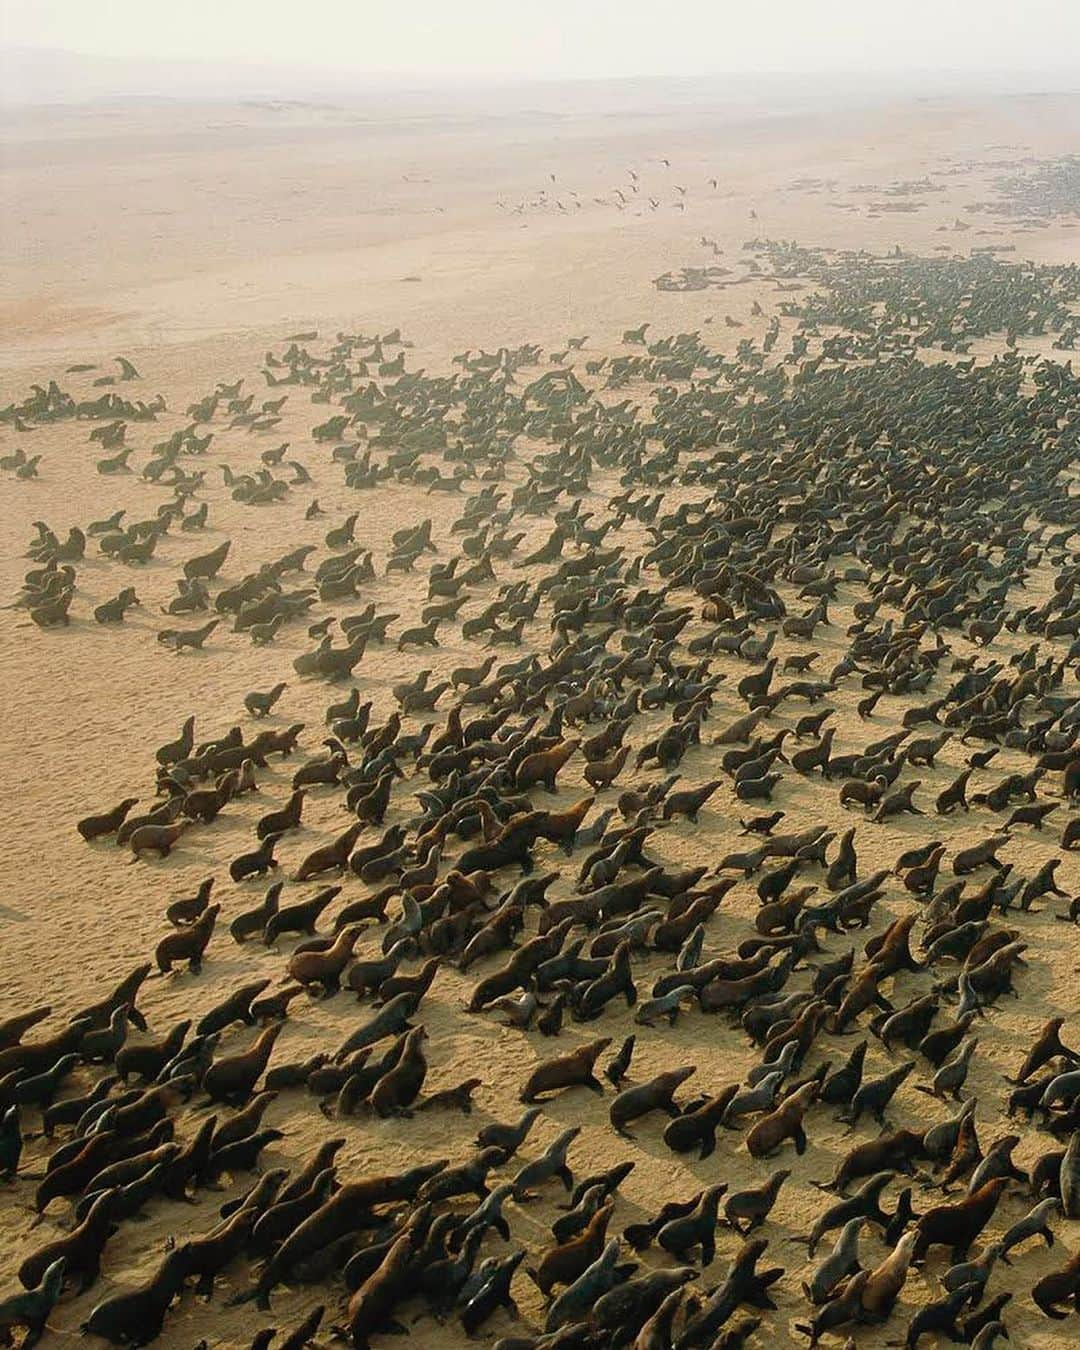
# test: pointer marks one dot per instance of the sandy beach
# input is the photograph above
(193, 239)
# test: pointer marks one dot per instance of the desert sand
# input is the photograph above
(192, 239)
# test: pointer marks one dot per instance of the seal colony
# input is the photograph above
(623, 626)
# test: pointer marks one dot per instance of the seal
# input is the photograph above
(565, 1262)
(896, 1149)
(841, 1262)
(1060, 1286)
(13, 1029)
(138, 1315)
(680, 1236)
(187, 944)
(551, 1163)
(107, 822)
(186, 911)
(655, 1095)
(157, 839)
(329, 857)
(80, 1250)
(697, 1128)
(1046, 1046)
(31, 1310)
(324, 969)
(1035, 1223)
(287, 818)
(754, 1206)
(785, 1122)
(235, 1007)
(958, 1225)
(232, 1079)
(256, 863)
(885, 1281)
(570, 1070)
(940, 1317)
(543, 767)
(396, 1091)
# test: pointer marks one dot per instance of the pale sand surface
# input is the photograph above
(191, 239)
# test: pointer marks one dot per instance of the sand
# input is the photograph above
(191, 238)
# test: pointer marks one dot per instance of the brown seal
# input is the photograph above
(1060, 1286)
(458, 1097)
(396, 1091)
(13, 1029)
(887, 1151)
(543, 767)
(139, 1314)
(883, 1286)
(147, 1060)
(257, 862)
(784, 1123)
(370, 1308)
(232, 1079)
(80, 1249)
(570, 1070)
(563, 1264)
(188, 944)
(655, 1095)
(157, 839)
(324, 968)
(37, 1056)
(1046, 1046)
(253, 921)
(93, 827)
(958, 1225)
(330, 857)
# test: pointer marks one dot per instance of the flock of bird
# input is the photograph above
(643, 558)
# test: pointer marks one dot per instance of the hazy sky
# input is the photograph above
(564, 37)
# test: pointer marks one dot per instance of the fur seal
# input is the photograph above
(395, 1092)
(569, 1070)
(697, 1128)
(958, 1225)
(1060, 1286)
(80, 1250)
(31, 1310)
(842, 1261)
(785, 1122)
(565, 1262)
(108, 822)
(754, 1205)
(655, 1095)
(138, 1315)
(256, 863)
(885, 1281)
(157, 839)
(231, 1079)
(188, 944)
(679, 1236)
